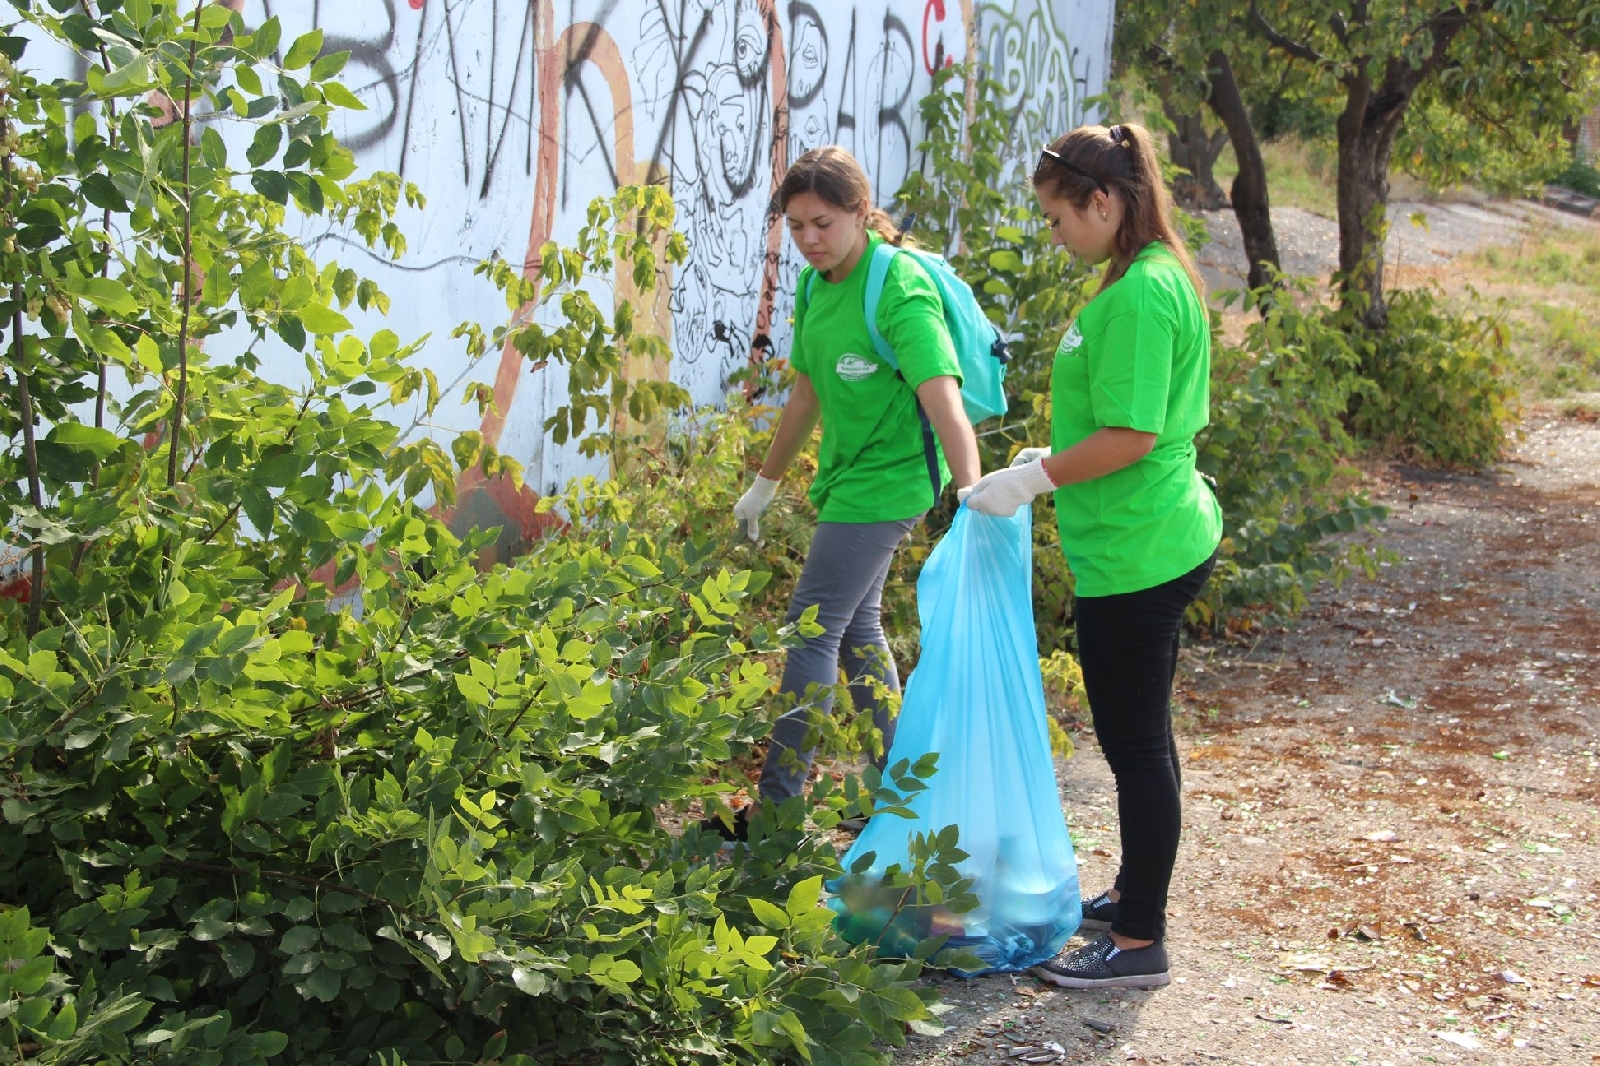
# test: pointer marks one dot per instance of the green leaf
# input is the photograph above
(323, 320)
(63, 1025)
(28, 978)
(1006, 260)
(215, 17)
(323, 984)
(769, 915)
(264, 147)
(108, 294)
(291, 332)
(247, 79)
(272, 184)
(329, 65)
(303, 51)
(239, 956)
(298, 939)
(212, 149)
(335, 93)
(804, 897)
(130, 78)
(265, 40)
(70, 450)
(532, 982)
(344, 936)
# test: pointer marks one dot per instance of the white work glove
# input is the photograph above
(1030, 455)
(747, 512)
(1003, 491)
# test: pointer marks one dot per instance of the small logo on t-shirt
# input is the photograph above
(853, 367)
(1071, 342)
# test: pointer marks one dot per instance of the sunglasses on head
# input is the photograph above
(1057, 158)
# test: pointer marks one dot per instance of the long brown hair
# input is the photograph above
(834, 175)
(1122, 158)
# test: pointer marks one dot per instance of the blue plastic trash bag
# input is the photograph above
(977, 699)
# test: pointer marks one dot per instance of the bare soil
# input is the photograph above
(1391, 807)
(1421, 235)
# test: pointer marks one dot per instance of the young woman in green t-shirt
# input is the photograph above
(873, 480)
(1139, 526)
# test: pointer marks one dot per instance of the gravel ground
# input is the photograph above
(1309, 243)
(1391, 809)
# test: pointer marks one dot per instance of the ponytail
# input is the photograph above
(879, 221)
(1122, 158)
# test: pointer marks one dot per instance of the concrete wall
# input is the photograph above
(511, 116)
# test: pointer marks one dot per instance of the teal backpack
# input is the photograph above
(980, 348)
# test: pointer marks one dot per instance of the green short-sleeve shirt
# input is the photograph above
(1138, 357)
(872, 466)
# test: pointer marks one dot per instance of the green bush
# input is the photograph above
(1573, 345)
(1441, 389)
(1580, 177)
(1277, 451)
(285, 776)
(45, 1019)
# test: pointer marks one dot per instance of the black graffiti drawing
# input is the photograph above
(701, 74)
(1044, 76)
(714, 105)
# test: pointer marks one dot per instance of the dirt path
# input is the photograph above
(1391, 809)
(1420, 235)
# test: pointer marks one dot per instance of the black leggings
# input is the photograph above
(1128, 648)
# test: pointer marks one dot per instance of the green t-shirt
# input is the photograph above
(872, 465)
(1139, 357)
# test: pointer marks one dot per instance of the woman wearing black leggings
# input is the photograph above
(1139, 525)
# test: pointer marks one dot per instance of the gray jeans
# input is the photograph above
(843, 577)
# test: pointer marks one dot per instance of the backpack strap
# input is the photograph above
(802, 295)
(877, 273)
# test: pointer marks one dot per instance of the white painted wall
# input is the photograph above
(512, 116)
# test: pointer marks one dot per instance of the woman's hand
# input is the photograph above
(756, 499)
(1003, 491)
(1030, 455)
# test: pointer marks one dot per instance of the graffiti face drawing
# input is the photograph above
(731, 119)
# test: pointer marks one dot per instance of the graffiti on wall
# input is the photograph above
(511, 115)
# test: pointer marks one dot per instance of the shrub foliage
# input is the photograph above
(285, 776)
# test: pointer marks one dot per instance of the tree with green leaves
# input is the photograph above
(1509, 67)
(1192, 54)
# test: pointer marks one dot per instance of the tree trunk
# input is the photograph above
(1195, 149)
(1249, 193)
(1367, 129)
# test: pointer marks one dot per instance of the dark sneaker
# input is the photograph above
(1098, 913)
(739, 832)
(1104, 965)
